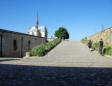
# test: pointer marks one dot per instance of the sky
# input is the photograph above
(81, 18)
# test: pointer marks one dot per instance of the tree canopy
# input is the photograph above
(62, 33)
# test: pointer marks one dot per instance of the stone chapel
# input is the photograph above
(37, 30)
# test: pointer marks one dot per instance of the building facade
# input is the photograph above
(14, 44)
(37, 30)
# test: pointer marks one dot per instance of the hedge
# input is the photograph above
(43, 49)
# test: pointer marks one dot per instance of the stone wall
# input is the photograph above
(106, 35)
(14, 44)
(0, 44)
(50, 39)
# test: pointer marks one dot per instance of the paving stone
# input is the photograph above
(69, 64)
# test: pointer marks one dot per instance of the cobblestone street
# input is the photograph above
(69, 64)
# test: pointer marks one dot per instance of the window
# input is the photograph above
(29, 45)
(14, 45)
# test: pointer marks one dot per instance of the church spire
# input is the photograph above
(37, 19)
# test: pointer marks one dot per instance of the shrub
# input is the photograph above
(108, 50)
(41, 50)
(95, 45)
(38, 51)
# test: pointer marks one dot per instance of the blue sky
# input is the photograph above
(80, 17)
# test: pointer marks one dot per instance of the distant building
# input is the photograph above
(37, 30)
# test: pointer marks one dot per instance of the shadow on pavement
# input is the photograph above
(20, 75)
(2, 60)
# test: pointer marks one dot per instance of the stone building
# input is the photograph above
(37, 30)
(14, 44)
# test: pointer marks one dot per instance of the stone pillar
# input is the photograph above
(27, 54)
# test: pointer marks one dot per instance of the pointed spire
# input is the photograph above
(37, 19)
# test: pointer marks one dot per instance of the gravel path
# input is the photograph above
(69, 64)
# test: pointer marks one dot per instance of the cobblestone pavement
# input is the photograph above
(69, 64)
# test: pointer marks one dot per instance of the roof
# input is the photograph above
(33, 29)
(7, 31)
(40, 28)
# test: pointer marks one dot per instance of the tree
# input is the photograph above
(62, 33)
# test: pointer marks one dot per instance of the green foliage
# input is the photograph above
(108, 50)
(95, 45)
(62, 33)
(38, 51)
(84, 40)
(41, 50)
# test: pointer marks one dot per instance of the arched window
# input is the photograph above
(15, 45)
